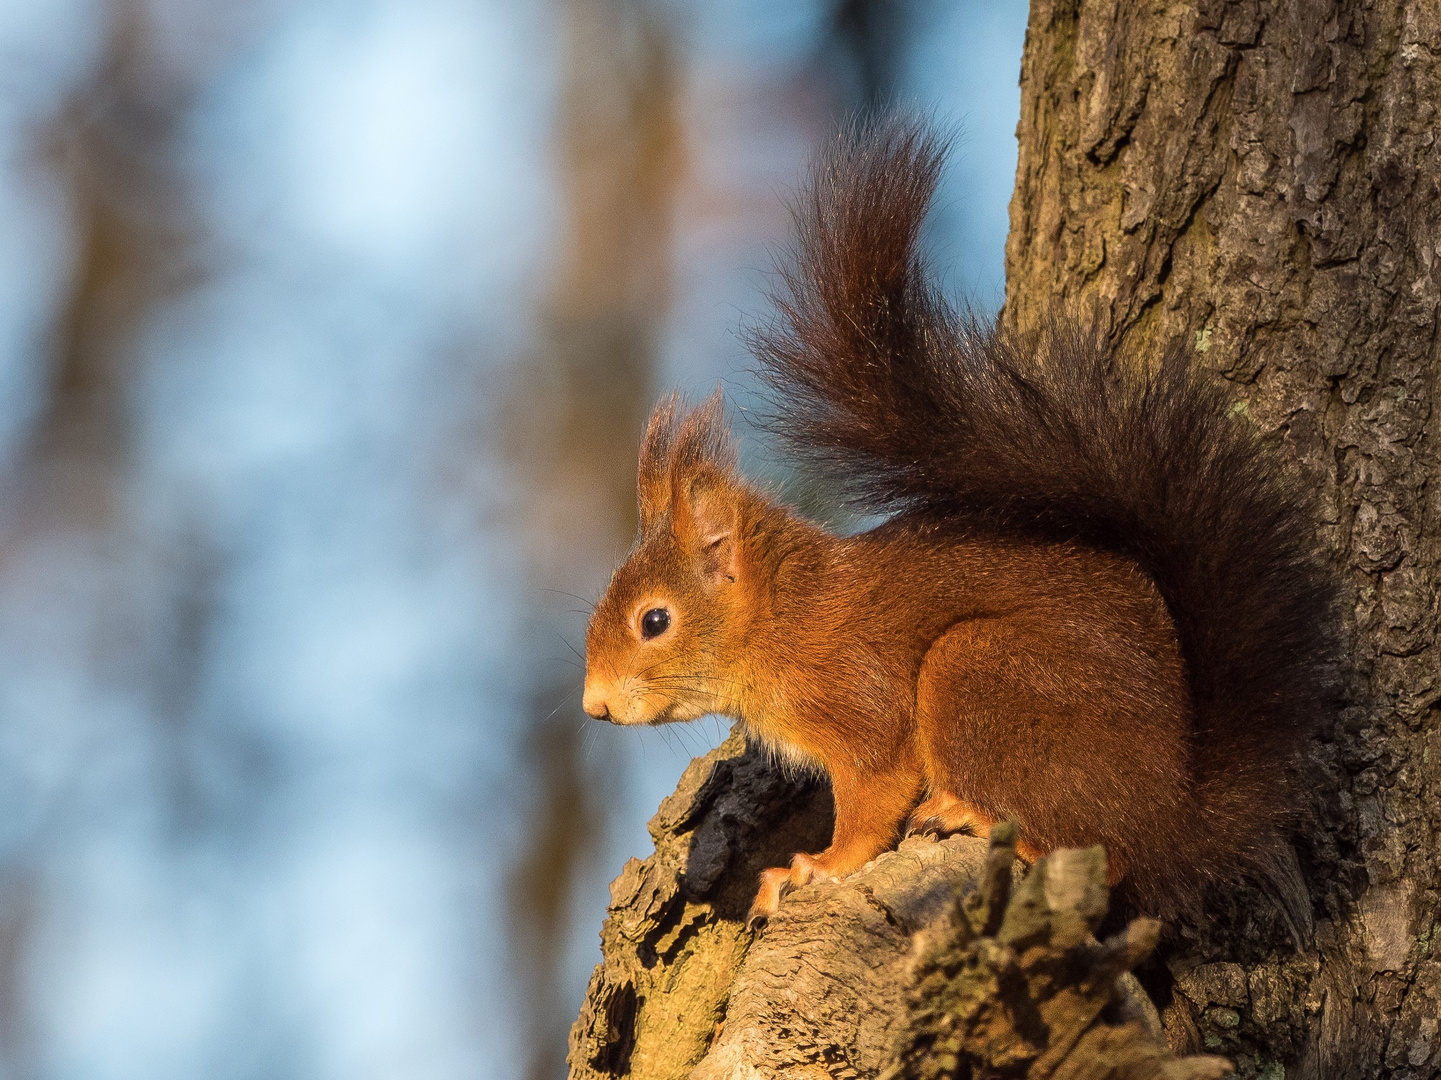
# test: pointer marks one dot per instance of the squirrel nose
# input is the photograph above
(594, 703)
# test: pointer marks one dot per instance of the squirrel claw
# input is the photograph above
(806, 868)
(928, 826)
(944, 814)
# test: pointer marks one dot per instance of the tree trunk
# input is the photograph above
(1262, 181)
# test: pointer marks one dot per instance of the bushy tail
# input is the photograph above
(921, 409)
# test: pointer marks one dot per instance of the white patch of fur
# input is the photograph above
(793, 762)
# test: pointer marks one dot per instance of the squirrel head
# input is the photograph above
(663, 642)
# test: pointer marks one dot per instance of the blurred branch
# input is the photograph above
(138, 237)
(133, 240)
(869, 41)
(574, 420)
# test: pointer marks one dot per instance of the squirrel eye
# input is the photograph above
(654, 622)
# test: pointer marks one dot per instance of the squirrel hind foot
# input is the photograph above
(944, 814)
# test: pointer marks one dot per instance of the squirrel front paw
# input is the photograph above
(778, 881)
(775, 883)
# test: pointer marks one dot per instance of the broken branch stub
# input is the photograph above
(1018, 986)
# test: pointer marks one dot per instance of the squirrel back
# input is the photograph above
(920, 410)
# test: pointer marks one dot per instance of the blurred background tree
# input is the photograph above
(327, 330)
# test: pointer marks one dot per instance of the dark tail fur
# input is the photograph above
(920, 409)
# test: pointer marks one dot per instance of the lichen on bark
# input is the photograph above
(1018, 986)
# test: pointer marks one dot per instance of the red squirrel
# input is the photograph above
(1094, 606)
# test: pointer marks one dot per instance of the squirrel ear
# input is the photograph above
(706, 519)
(685, 452)
(705, 508)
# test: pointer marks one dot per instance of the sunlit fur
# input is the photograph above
(1093, 608)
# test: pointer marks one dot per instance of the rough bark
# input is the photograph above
(675, 935)
(1261, 180)
(1018, 986)
(822, 988)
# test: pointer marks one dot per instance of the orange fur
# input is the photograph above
(906, 662)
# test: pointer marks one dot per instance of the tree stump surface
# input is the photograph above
(886, 972)
(675, 934)
(822, 989)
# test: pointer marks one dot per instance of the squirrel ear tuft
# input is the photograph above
(653, 480)
(705, 509)
(703, 440)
